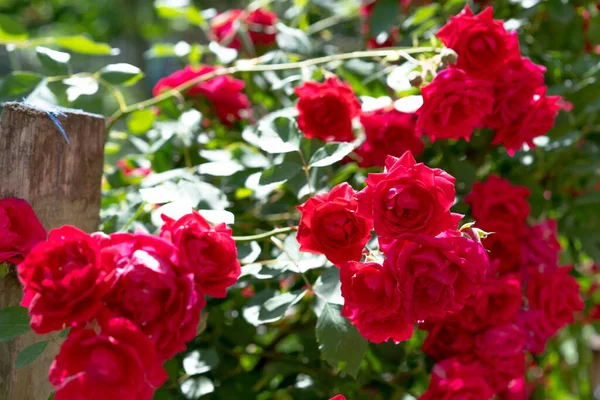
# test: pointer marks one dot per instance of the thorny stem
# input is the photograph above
(252, 66)
(265, 235)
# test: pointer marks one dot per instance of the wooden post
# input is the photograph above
(62, 183)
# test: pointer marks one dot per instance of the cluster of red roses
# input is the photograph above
(132, 301)
(490, 86)
(430, 268)
(326, 111)
(222, 95)
(526, 299)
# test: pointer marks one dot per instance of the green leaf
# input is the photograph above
(328, 287)
(18, 84)
(189, 13)
(121, 74)
(220, 168)
(330, 154)
(11, 30)
(200, 361)
(275, 308)
(251, 311)
(340, 343)
(293, 259)
(84, 45)
(14, 322)
(30, 353)
(384, 17)
(588, 198)
(54, 62)
(279, 173)
(64, 333)
(196, 387)
(279, 134)
(140, 121)
(293, 40)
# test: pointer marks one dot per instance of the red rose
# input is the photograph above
(499, 206)
(338, 397)
(20, 230)
(447, 339)
(537, 332)
(117, 363)
(64, 280)
(495, 303)
(407, 197)
(541, 248)
(326, 110)
(513, 91)
(373, 302)
(329, 225)
(130, 171)
(388, 132)
(152, 290)
(259, 24)
(504, 250)
(207, 251)
(481, 42)
(453, 105)
(536, 120)
(502, 349)
(224, 93)
(453, 380)
(556, 293)
(437, 274)
(517, 390)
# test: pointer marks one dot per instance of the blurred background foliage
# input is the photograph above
(260, 342)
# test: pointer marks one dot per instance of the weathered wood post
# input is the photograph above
(62, 183)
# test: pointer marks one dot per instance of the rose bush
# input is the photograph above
(291, 212)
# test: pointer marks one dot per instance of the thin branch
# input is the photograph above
(265, 235)
(251, 66)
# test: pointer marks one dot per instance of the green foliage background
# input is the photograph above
(266, 346)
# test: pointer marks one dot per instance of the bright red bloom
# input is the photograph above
(437, 274)
(556, 293)
(447, 339)
(514, 89)
(152, 290)
(64, 280)
(504, 250)
(482, 43)
(536, 120)
(388, 132)
(453, 105)
(454, 380)
(117, 363)
(541, 248)
(496, 302)
(326, 110)
(259, 24)
(501, 348)
(329, 225)
(20, 230)
(373, 302)
(207, 251)
(407, 197)
(338, 397)
(499, 206)
(537, 332)
(129, 171)
(223, 93)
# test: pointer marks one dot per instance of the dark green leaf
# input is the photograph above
(384, 17)
(140, 121)
(121, 74)
(340, 343)
(14, 322)
(84, 45)
(295, 260)
(275, 308)
(328, 286)
(279, 173)
(200, 361)
(18, 85)
(30, 353)
(11, 30)
(54, 63)
(330, 154)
